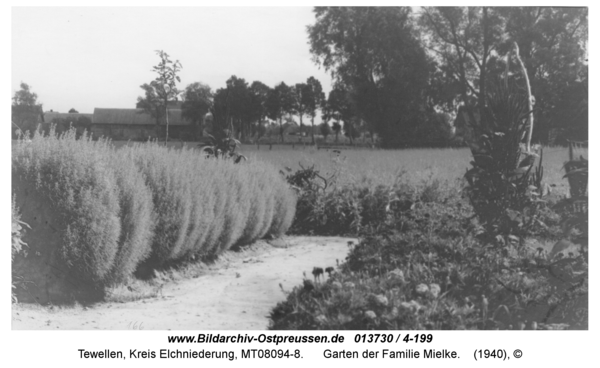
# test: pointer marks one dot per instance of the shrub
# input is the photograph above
(136, 214)
(433, 274)
(285, 206)
(17, 242)
(505, 185)
(144, 207)
(75, 175)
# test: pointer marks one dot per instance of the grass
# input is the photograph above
(374, 167)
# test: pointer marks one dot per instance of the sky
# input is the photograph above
(86, 57)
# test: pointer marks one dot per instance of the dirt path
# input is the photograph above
(234, 295)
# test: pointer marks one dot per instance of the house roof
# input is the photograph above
(50, 116)
(134, 117)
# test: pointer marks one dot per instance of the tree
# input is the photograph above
(280, 102)
(352, 129)
(162, 90)
(315, 100)
(340, 107)
(374, 54)
(301, 93)
(325, 130)
(239, 105)
(73, 111)
(26, 111)
(259, 93)
(553, 47)
(337, 128)
(472, 46)
(463, 39)
(197, 101)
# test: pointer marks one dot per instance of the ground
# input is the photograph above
(236, 293)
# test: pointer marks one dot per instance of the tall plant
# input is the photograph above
(504, 184)
(162, 90)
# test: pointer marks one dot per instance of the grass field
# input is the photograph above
(415, 166)
(383, 166)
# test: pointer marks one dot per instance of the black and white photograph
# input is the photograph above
(264, 168)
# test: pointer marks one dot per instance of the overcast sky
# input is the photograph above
(84, 58)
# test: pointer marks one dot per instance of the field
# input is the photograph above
(415, 166)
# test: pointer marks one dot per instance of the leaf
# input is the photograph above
(485, 161)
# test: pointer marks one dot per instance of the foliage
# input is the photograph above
(145, 207)
(73, 111)
(423, 269)
(162, 90)
(280, 102)
(259, 92)
(435, 130)
(553, 43)
(504, 184)
(373, 53)
(326, 207)
(463, 38)
(78, 179)
(301, 97)
(325, 130)
(337, 128)
(16, 230)
(26, 111)
(314, 102)
(197, 101)
(471, 45)
(17, 242)
(138, 219)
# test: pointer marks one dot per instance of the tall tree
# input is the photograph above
(26, 111)
(374, 53)
(301, 94)
(472, 44)
(553, 47)
(240, 105)
(73, 111)
(315, 100)
(162, 90)
(463, 39)
(197, 101)
(259, 92)
(279, 103)
(325, 130)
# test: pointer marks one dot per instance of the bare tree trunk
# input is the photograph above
(167, 126)
(312, 131)
(281, 128)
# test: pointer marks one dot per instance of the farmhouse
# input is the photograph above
(51, 116)
(135, 124)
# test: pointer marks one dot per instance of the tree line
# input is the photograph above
(400, 74)
(240, 106)
(401, 70)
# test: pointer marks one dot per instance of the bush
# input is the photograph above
(505, 184)
(77, 178)
(144, 207)
(423, 267)
(17, 242)
(205, 206)
(137, 216)
(426, 271)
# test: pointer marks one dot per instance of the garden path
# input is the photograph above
(234, 294)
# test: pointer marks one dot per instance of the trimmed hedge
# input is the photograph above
(148, 206)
